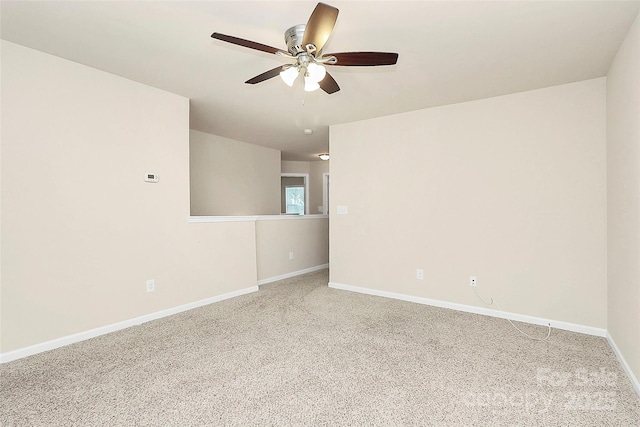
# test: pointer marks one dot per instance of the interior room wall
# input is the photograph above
(316, 170)
(510, 189)
(292, 166)
(623, 196)
(306, 238)
(81, 230)
(230, 177)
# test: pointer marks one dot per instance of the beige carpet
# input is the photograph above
(300, 353)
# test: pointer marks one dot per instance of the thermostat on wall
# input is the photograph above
(151, 177)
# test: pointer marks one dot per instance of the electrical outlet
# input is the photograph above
(419, 274)
(472, 281)
(291, 255)
(151, 285)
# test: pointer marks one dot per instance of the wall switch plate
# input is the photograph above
(151, 285)
(472, 281)
(342, 210)
(419, 274)
(291, 255)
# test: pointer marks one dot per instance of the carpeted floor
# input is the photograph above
(300, 353)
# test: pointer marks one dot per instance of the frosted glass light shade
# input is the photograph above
(289, 75)
(316, 72)
(310, 85)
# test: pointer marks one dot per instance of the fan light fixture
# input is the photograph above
(313, 74)
(305, 46)
(289, 75)
(324, 156)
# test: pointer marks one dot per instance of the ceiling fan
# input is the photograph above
(304, 46)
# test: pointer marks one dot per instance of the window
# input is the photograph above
(294, 193)
(294, 197)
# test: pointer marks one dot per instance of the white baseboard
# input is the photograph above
(627, 369)
(589, 330)
(92, 333)
(292, 274)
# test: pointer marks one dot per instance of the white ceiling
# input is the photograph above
(449, 52)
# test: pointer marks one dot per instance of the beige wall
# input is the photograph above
(307, 238)
(230, 177)
(81, 230)
(315, 170)
(290, 166)
(510, 189)
(623, 191)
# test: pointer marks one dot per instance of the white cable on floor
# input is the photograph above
(512, 324)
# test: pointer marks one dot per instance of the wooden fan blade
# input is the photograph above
(319, 26)
(364, 59)
(245, 43)
(265, 76)
(328, 84)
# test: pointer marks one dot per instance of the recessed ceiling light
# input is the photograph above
(308, 131)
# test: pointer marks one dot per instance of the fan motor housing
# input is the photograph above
(293, 38)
